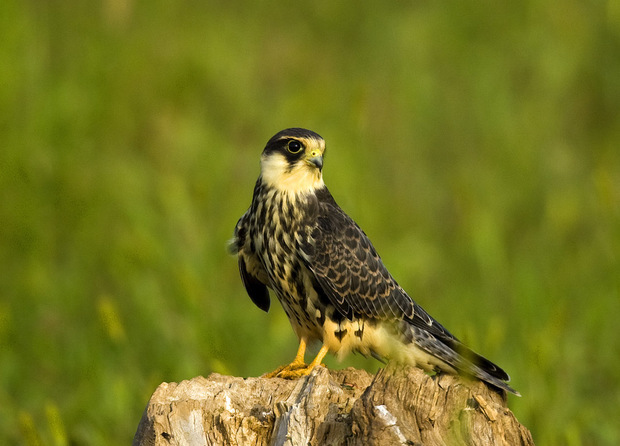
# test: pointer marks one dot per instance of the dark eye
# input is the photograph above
(294, 146)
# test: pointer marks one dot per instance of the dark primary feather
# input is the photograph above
(256, 289)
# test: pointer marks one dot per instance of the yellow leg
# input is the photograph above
(301, 353)
(298, 367)
(319, 357)
(298, 362)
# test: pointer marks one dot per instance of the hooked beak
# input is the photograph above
(316, 159)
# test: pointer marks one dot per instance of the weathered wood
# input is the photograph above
(398, 406)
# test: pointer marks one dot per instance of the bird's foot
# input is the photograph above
(293, 370)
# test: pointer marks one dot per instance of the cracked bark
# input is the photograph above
(397, 406)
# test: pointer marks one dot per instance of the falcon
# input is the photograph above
(296, 241)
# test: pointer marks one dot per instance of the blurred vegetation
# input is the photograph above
(478, 144)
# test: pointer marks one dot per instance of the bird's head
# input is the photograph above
(292, 161)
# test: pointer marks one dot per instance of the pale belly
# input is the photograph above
(380, 339)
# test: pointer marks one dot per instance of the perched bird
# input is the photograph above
(295, 240)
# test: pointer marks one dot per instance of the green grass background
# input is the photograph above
(478, 144)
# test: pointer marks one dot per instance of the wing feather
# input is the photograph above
(255, 288)
(353, 276)
(250, 268)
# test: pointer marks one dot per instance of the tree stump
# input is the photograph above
(397, 406)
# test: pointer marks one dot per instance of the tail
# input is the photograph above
(449, 350)
(470, 363)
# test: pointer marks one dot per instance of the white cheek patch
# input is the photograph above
(278, 174)
(273, 167)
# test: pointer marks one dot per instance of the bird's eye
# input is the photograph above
(294, 146)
